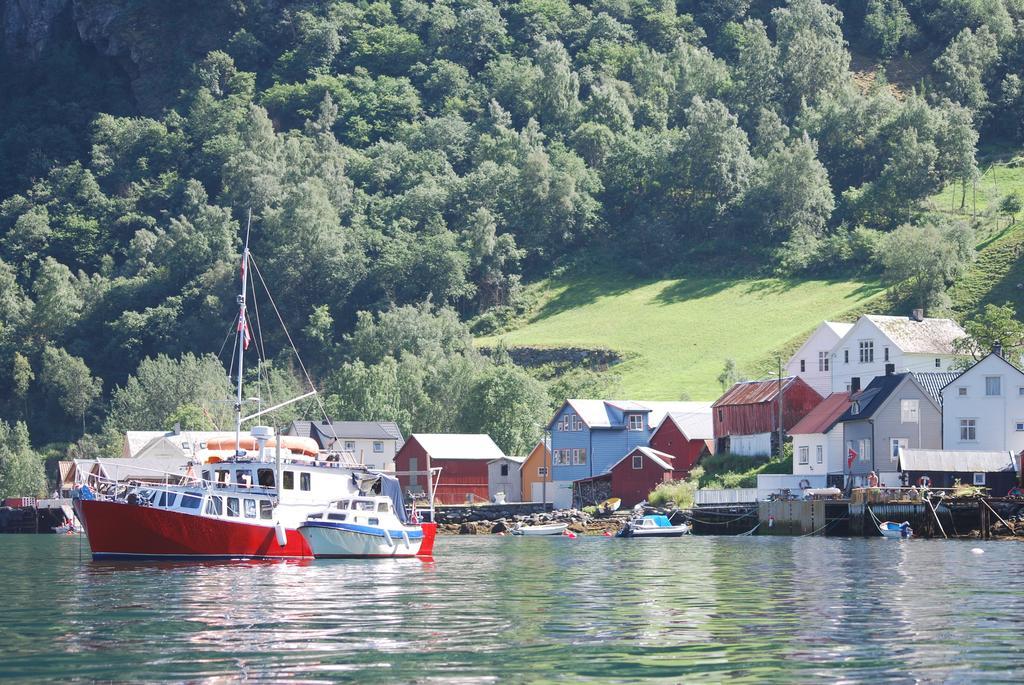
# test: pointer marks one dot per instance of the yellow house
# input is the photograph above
(534, 471)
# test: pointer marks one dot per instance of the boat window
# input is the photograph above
(266, 509)
(362, 505)
(266, 477)
(288, 480)
(223, 476)
(315, 516)
(374, 522)
(250, 508)
(215, 506)
(342, 504)
(382, 506)
(304, 481)
(244, 478)
(206, 475)
(232, 506)
(337, 517)
(190, 501)
(166, 499)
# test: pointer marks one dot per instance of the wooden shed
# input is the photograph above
(686, 436)
(997, 471)
(639, 472)
(746, 417)
(463, 459)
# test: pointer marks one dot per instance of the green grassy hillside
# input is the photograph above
(675, 334)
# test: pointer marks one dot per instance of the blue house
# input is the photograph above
(589, 436)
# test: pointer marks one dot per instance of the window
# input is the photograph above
(638, 462)
(337, 517)
(504, 469)
(304, 481)
(542, 471)
(373, 522)
(961, 392)
(846, 356)
(886, 354)
(938, 363)
(993, 386)
(167, 499)
(378, 445)
(823, 361)
(721, 415)
(636, 422)
(414, 476)
(579, 457)
(190, 501)
(265, 477)
(223, 476)
(805, 455)
(1019, 426)
(865, 450)
(244, 478)
(896, 444)
(803, 366)
(820, 456)
(232, 506)
(968, 430)
(382, 507)
(908, 411)
(250, 508)
(288, 480)
(266, 510)
(979, 479)
(576, 424)
(215, 506)
(1020, 391)
(854, 407)
(867, 351)
(350, 445)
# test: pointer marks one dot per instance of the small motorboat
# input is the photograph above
(653, 526)
(545, 529)
(895, 531)
(68, 528)
(609, 506)
(364, 527)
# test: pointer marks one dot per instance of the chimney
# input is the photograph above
(997, 349)
(855, 384)
(917, 315)
(890, 369)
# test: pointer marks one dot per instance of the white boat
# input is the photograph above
(653, 526)
(545, 529)
(360, 527)
(895, 531)
(68, 528)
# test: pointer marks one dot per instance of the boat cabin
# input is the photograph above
(362, 510)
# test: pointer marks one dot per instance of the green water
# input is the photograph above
(496, 609)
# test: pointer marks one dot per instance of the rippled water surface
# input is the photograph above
(496, 609)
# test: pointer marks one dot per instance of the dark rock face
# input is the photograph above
(28, 25)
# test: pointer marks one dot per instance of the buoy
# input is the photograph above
(571, 535)
(977, 550)
(771, 521)
(606, 534)
(282, 536)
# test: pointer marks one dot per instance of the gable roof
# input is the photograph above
(950, 461)
(466, 446)
(928, 336)
(367, 430)
(597, 414)
(934, 381)
(822, 418)
(754, 392)
(975, 364)
(839, 328)
(660, 458)
(871, 398)
(515, 460)
(695, 425)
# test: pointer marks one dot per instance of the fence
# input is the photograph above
(726, 496)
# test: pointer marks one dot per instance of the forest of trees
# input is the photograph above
(410, 165)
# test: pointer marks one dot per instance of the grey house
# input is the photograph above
(894, 411)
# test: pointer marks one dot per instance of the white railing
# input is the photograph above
(726, 496)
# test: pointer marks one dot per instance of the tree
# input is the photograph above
(729, 376)
(812, 51)
(21, 469)
(888, 26)
(963, 66)
(1011, 206)
(925, 259)
(995, 325)
(68, 380)
(509, 405)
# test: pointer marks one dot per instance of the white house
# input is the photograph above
(915, 344)
(818, 438)
(983, 409)
(373, 443)
(503, 476)
(812, 361)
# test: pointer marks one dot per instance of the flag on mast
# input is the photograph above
(243, 328)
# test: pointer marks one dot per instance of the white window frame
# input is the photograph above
(636, 422)
(938, 363)
(968, 430)
(580, 458)
(804, 455)
(819, 454)
(979, 478)
(961, 391)
(823, 361)
(998, 386)
(865, 450)
(1018, 425)
(894, 448)
(378, 446)
(867, 351)
(638, 462)
(910, 411)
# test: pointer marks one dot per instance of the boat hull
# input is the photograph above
(343, 541)
(117, 530)
(553, 529)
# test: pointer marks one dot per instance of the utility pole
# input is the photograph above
(780, 405)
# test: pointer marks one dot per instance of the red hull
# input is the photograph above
(118, 530)
(429, 533)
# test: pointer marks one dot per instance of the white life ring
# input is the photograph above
(924, 481)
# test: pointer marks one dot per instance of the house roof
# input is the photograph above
(822, 418)
(934, 381)
(596, 414)
(367, 430)
(695, 425)
(660, 458)
(952, 461)
(972, 366)
(928, 336)
(136, 440)
(517, 460)
(142, 467)
(467, 446)
(753, 392)
(873, 396)
(838, 328)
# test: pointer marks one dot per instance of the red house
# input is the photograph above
(639, 472)
(686, 436)
(746, 417)
(463, 460)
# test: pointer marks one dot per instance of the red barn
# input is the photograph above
(686, 436)
(639, 472)
(463, 460)
(746, 417)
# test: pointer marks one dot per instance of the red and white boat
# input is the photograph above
(248, 505)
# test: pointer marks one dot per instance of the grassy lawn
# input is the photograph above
(675, 334)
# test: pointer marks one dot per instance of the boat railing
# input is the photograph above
(115, 489)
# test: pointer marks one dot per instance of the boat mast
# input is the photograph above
(242, 336)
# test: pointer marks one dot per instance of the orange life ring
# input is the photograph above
(924, 481)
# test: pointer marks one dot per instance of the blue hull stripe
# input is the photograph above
(365, 530)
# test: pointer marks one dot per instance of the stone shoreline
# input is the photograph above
(579, 522)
